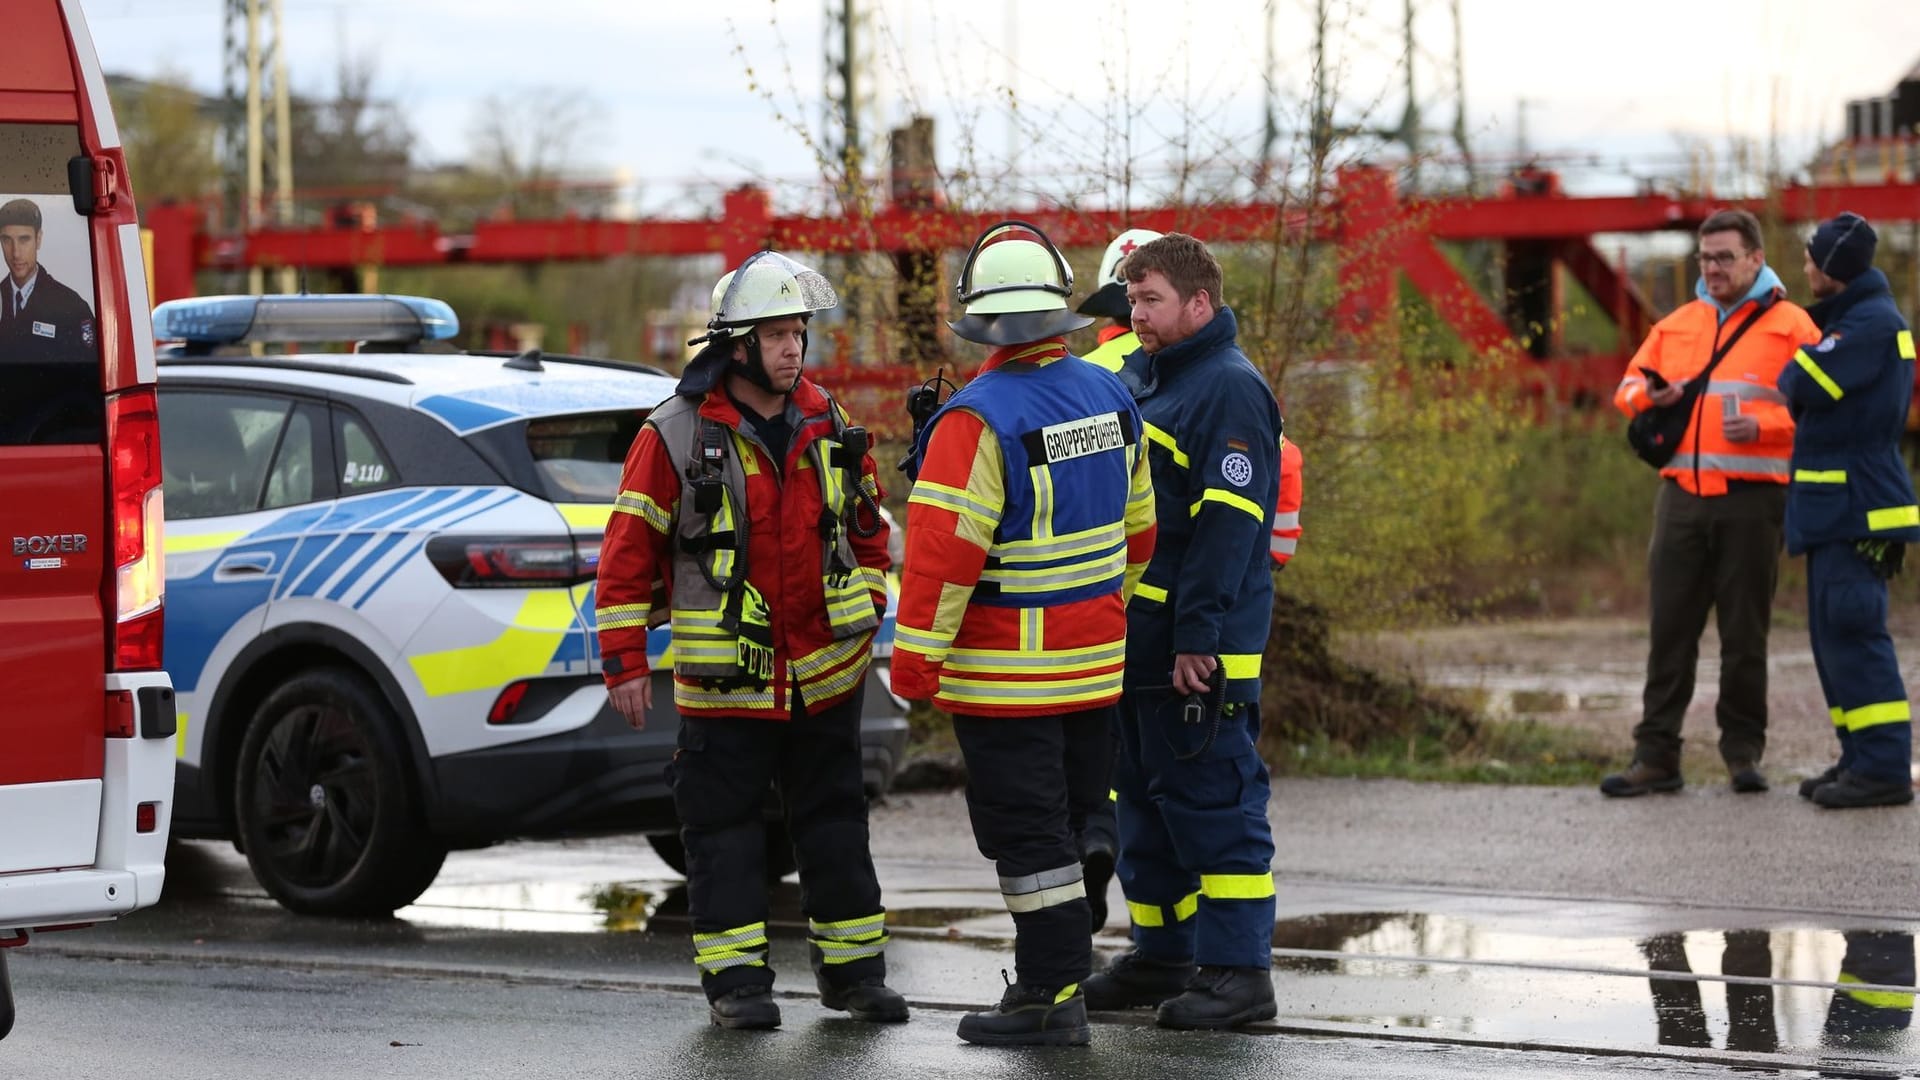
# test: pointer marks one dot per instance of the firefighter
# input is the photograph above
(1117, 341)
(1851, 508)
(1031, 519)
(772, 632)
(1196, 850)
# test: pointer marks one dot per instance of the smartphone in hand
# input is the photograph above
(1654, 378)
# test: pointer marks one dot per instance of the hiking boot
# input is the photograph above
(1852, 790)
(1132, 981)
(747, 1007)
(1097, 872)
(1812, 783)
(1639, 779)
(1221, 997)
(869, 999)
(1747, 779)
(1031, 1016)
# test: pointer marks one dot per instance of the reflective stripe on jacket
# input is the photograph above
(1031, 518)
(773, 619)
(1679, 348)
(1848, 395)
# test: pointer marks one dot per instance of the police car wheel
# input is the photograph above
(325, 806)
(780, 861)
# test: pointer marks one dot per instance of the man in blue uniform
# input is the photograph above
(1851, 509)
(1196, 852)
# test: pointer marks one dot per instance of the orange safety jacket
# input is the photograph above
(993, 660)
(1286, 510)
(1679, 348)
(784, 559)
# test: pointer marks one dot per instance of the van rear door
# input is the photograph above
(86, 732)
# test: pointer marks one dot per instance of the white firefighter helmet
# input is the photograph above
(1110, 296)
(1015, 286)
(767, 286)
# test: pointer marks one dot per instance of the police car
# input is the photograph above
(380, 577)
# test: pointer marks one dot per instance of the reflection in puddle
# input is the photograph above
(565, 907)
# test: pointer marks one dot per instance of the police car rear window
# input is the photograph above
(578, 458)
(49, 352)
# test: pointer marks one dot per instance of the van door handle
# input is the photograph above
(250, 564)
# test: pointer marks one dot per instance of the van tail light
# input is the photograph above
(133, 478)
(484, 562)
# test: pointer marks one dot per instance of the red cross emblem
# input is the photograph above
(1127, 248)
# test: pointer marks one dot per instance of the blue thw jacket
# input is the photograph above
(1213, 444)
(1848, 395)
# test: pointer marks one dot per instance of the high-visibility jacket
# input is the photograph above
(762, 603)
(1213, 432)
(1029, 522)
(1679, 348)
(1118, 342)
(1286, 510)
(1848, 395)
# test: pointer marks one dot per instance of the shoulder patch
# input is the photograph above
(1237, 469)
(1828, 343)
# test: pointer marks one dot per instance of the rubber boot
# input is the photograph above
(1221, 997)
(1031, 1016)
(749, 1008)
(1132, 981)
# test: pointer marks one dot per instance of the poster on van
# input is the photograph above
(49, 332)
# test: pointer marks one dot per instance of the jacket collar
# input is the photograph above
(1143, 371)
(1044, 351)
(1868, 285)
(806, 405)
(1765, 282)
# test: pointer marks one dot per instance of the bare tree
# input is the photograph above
(524, 144)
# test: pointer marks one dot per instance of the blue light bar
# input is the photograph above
(240, 320)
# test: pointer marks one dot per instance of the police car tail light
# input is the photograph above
(133, 469)
(507, 705)
(481, 562)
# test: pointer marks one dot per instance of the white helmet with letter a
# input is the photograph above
(1015, 286)
(767, 286)
(1110, 299)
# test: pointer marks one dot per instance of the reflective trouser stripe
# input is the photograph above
(1839, 717)
(1893, 517)
(1885, 712)
(849, 939)
(1877, 999)
(1236, 886)
(1161, 915)
(743, 945)
(1048, 888)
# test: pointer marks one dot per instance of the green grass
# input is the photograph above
(1499, 752)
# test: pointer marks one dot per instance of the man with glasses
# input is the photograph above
(1717, 518)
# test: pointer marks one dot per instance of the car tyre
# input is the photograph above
(324, 804)
(780, 860)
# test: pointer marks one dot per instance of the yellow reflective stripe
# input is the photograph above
(1156, 914)
(1820, 476)
(693, 696)
(842, 952)
(1049, 692)
(1905, 341)
(1893, 517)
(933, 645)
(1839, 716)
(1059, 547)
(1826, 381)
(1113, 795)
(822, 689)
(1150, 592)
(1022, 660)
(1166, 442)
(849, 928)
(745, 453)
(641, 505)
(586, 515)
(621, 616)
(1069, 576)
(928, 493)
(825, 659)
(1886, 712)
(175, 544)
(522, 650)
(1876, 999)
(1241, 665)
(1238, 502)
(1236, 886)
(1066, 992)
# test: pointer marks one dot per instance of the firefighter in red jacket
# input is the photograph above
(1031, 519)
(747, 513)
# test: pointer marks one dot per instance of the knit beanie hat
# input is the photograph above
(1842, 248)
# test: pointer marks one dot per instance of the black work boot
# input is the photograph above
(1221, 997)
(1746, 778)
(1812, 783)
(869, 999)
(747, 1007)
(1852, 790)
(1031, 1016)
(1132, 981)
(1640, 778)
(1096, 870)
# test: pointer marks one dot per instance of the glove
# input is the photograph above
(1885, 556)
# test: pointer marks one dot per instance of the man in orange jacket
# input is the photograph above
(772, 631)
(1717, 519)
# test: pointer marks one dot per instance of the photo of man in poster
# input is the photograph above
(41, 319)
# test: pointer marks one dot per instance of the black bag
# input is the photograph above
(1655, 434)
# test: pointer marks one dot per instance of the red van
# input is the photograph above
(87, 734)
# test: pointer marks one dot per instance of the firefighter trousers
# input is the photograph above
(1853, 654)
(720, 775)
(1031, 782)
(1196, 851)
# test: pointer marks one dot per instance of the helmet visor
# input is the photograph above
(771, 286)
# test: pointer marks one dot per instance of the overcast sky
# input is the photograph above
(673, 106)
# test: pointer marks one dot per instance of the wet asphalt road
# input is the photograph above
(1465, 923)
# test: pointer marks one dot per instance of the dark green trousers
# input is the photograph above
(1722, 554)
